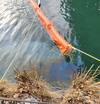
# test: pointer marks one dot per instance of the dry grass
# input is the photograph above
(28, 84)
(84, 89)
(33, 85)
(6, 89)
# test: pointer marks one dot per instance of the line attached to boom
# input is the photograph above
(18, 50)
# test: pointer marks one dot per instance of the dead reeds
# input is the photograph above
(83, 90)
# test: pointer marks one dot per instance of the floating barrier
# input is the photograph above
(63, 45)
(55, 36)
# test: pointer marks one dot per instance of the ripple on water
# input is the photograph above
(16, 17)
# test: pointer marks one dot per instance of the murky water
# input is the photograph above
(16, 17)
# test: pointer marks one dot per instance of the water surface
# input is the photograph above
(15, 18)
(86, 20)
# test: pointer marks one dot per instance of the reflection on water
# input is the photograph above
(16, 17)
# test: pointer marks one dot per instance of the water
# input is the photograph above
(86, 15)
(16, 17)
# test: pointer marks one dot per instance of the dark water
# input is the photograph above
(15, 19)
(86, 17)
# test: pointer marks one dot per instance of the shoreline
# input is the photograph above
(83, 90)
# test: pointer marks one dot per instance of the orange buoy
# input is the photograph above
(56, 37)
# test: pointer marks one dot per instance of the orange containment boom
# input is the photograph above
(56, 37)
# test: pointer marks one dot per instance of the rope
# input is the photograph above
(18, 49)
(66, 55)
(85, 53)
(71, 47)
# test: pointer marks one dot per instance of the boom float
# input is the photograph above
(56, 37)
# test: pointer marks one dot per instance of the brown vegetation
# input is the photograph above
(84, 89)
